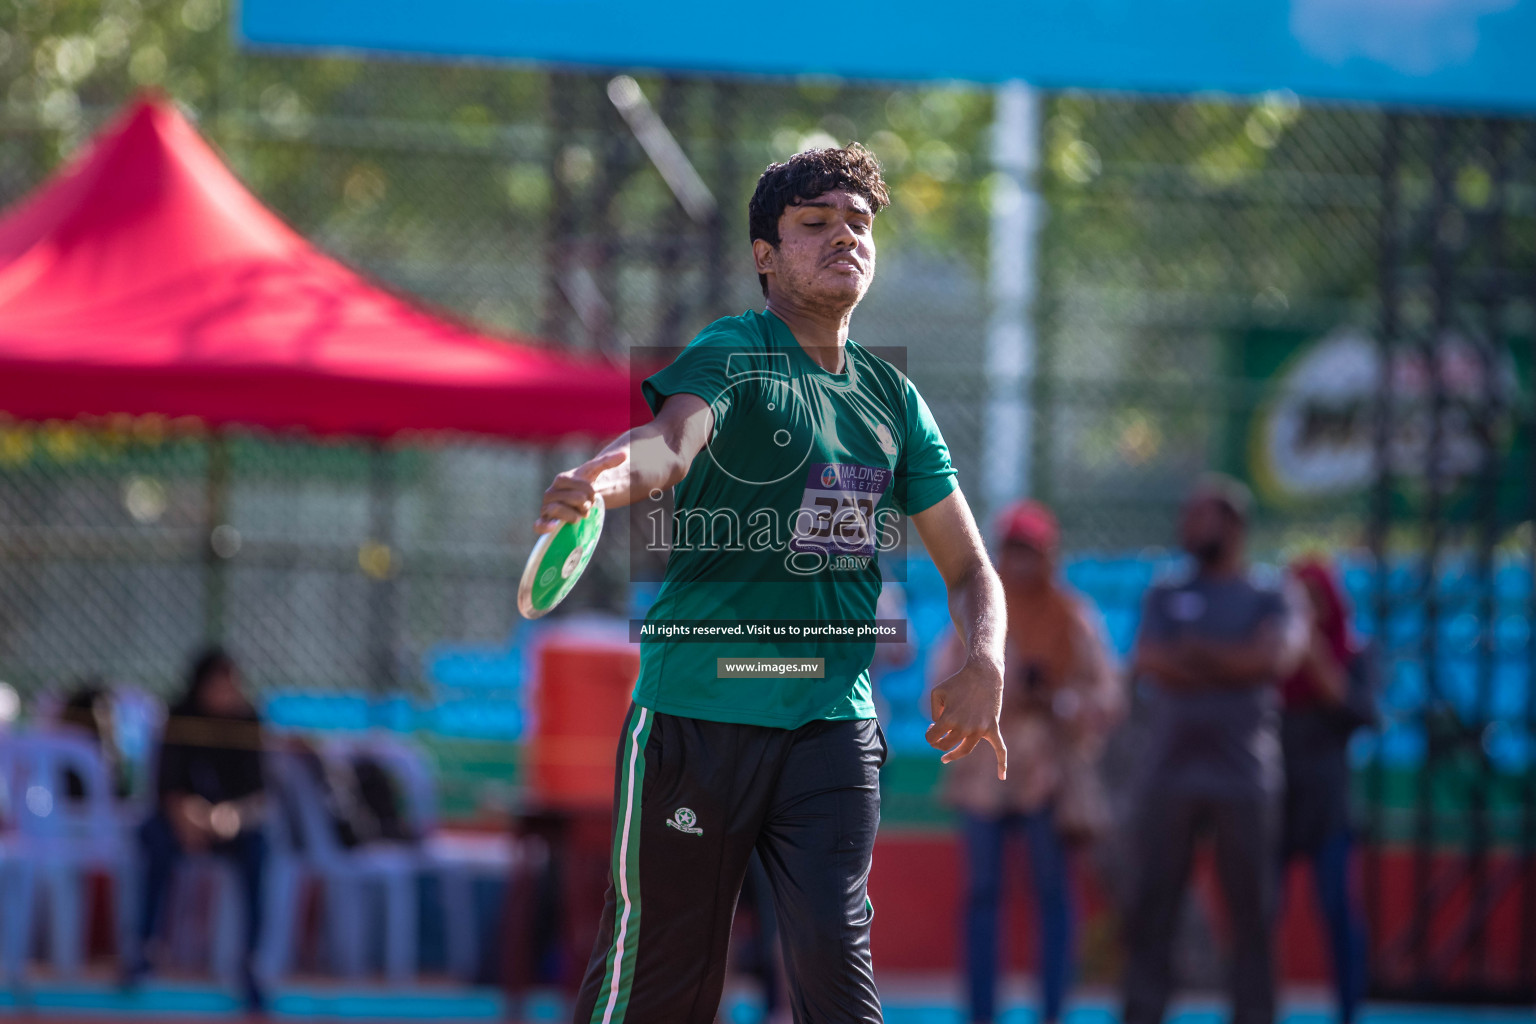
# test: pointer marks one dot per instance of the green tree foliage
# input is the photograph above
(440, 176)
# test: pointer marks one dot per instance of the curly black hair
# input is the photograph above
(808, 175)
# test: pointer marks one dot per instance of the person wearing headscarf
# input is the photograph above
(1320, 709)
(1061, 696)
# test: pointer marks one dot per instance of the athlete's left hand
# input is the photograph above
(965, 709)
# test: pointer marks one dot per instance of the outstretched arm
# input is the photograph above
(642, 459)
(967, 705)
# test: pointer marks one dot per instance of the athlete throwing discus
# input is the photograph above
(793, 451)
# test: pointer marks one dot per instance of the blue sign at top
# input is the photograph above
(1478, 54)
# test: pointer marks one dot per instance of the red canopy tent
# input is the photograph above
(144, 278)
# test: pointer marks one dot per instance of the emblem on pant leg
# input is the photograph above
(682, 819)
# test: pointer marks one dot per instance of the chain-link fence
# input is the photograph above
(1331, 302)
(522, 201)
(1191, 252)
(1209, 280)
(1184, 235)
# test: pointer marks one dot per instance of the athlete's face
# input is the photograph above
(825, 258)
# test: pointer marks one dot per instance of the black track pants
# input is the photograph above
(693, 799)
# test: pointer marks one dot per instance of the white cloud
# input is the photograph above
(1415, 37)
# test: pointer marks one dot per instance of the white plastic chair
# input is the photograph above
(16, 888)
(56, 840)
(310, 848)
(138, 718)
(286, 873)
(456, 860)
(208, 932)
(15, 874)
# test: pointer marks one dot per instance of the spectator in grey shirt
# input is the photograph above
(1211, 650)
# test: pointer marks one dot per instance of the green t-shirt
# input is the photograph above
(784, 515)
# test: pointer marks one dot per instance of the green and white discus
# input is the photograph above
(557, 561)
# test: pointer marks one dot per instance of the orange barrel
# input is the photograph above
(584, 676)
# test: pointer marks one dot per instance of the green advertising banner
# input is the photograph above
(1308, 443)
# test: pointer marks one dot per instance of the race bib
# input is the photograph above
(837, 512)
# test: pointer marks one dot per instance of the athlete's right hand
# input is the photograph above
(571, 495)
(966, 708)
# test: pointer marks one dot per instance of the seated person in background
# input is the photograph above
(89, 709)
(210, 798)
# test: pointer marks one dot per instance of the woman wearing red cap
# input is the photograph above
(1061, 696)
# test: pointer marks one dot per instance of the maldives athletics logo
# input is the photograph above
(829, 476)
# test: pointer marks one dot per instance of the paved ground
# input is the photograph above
(908, 999)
